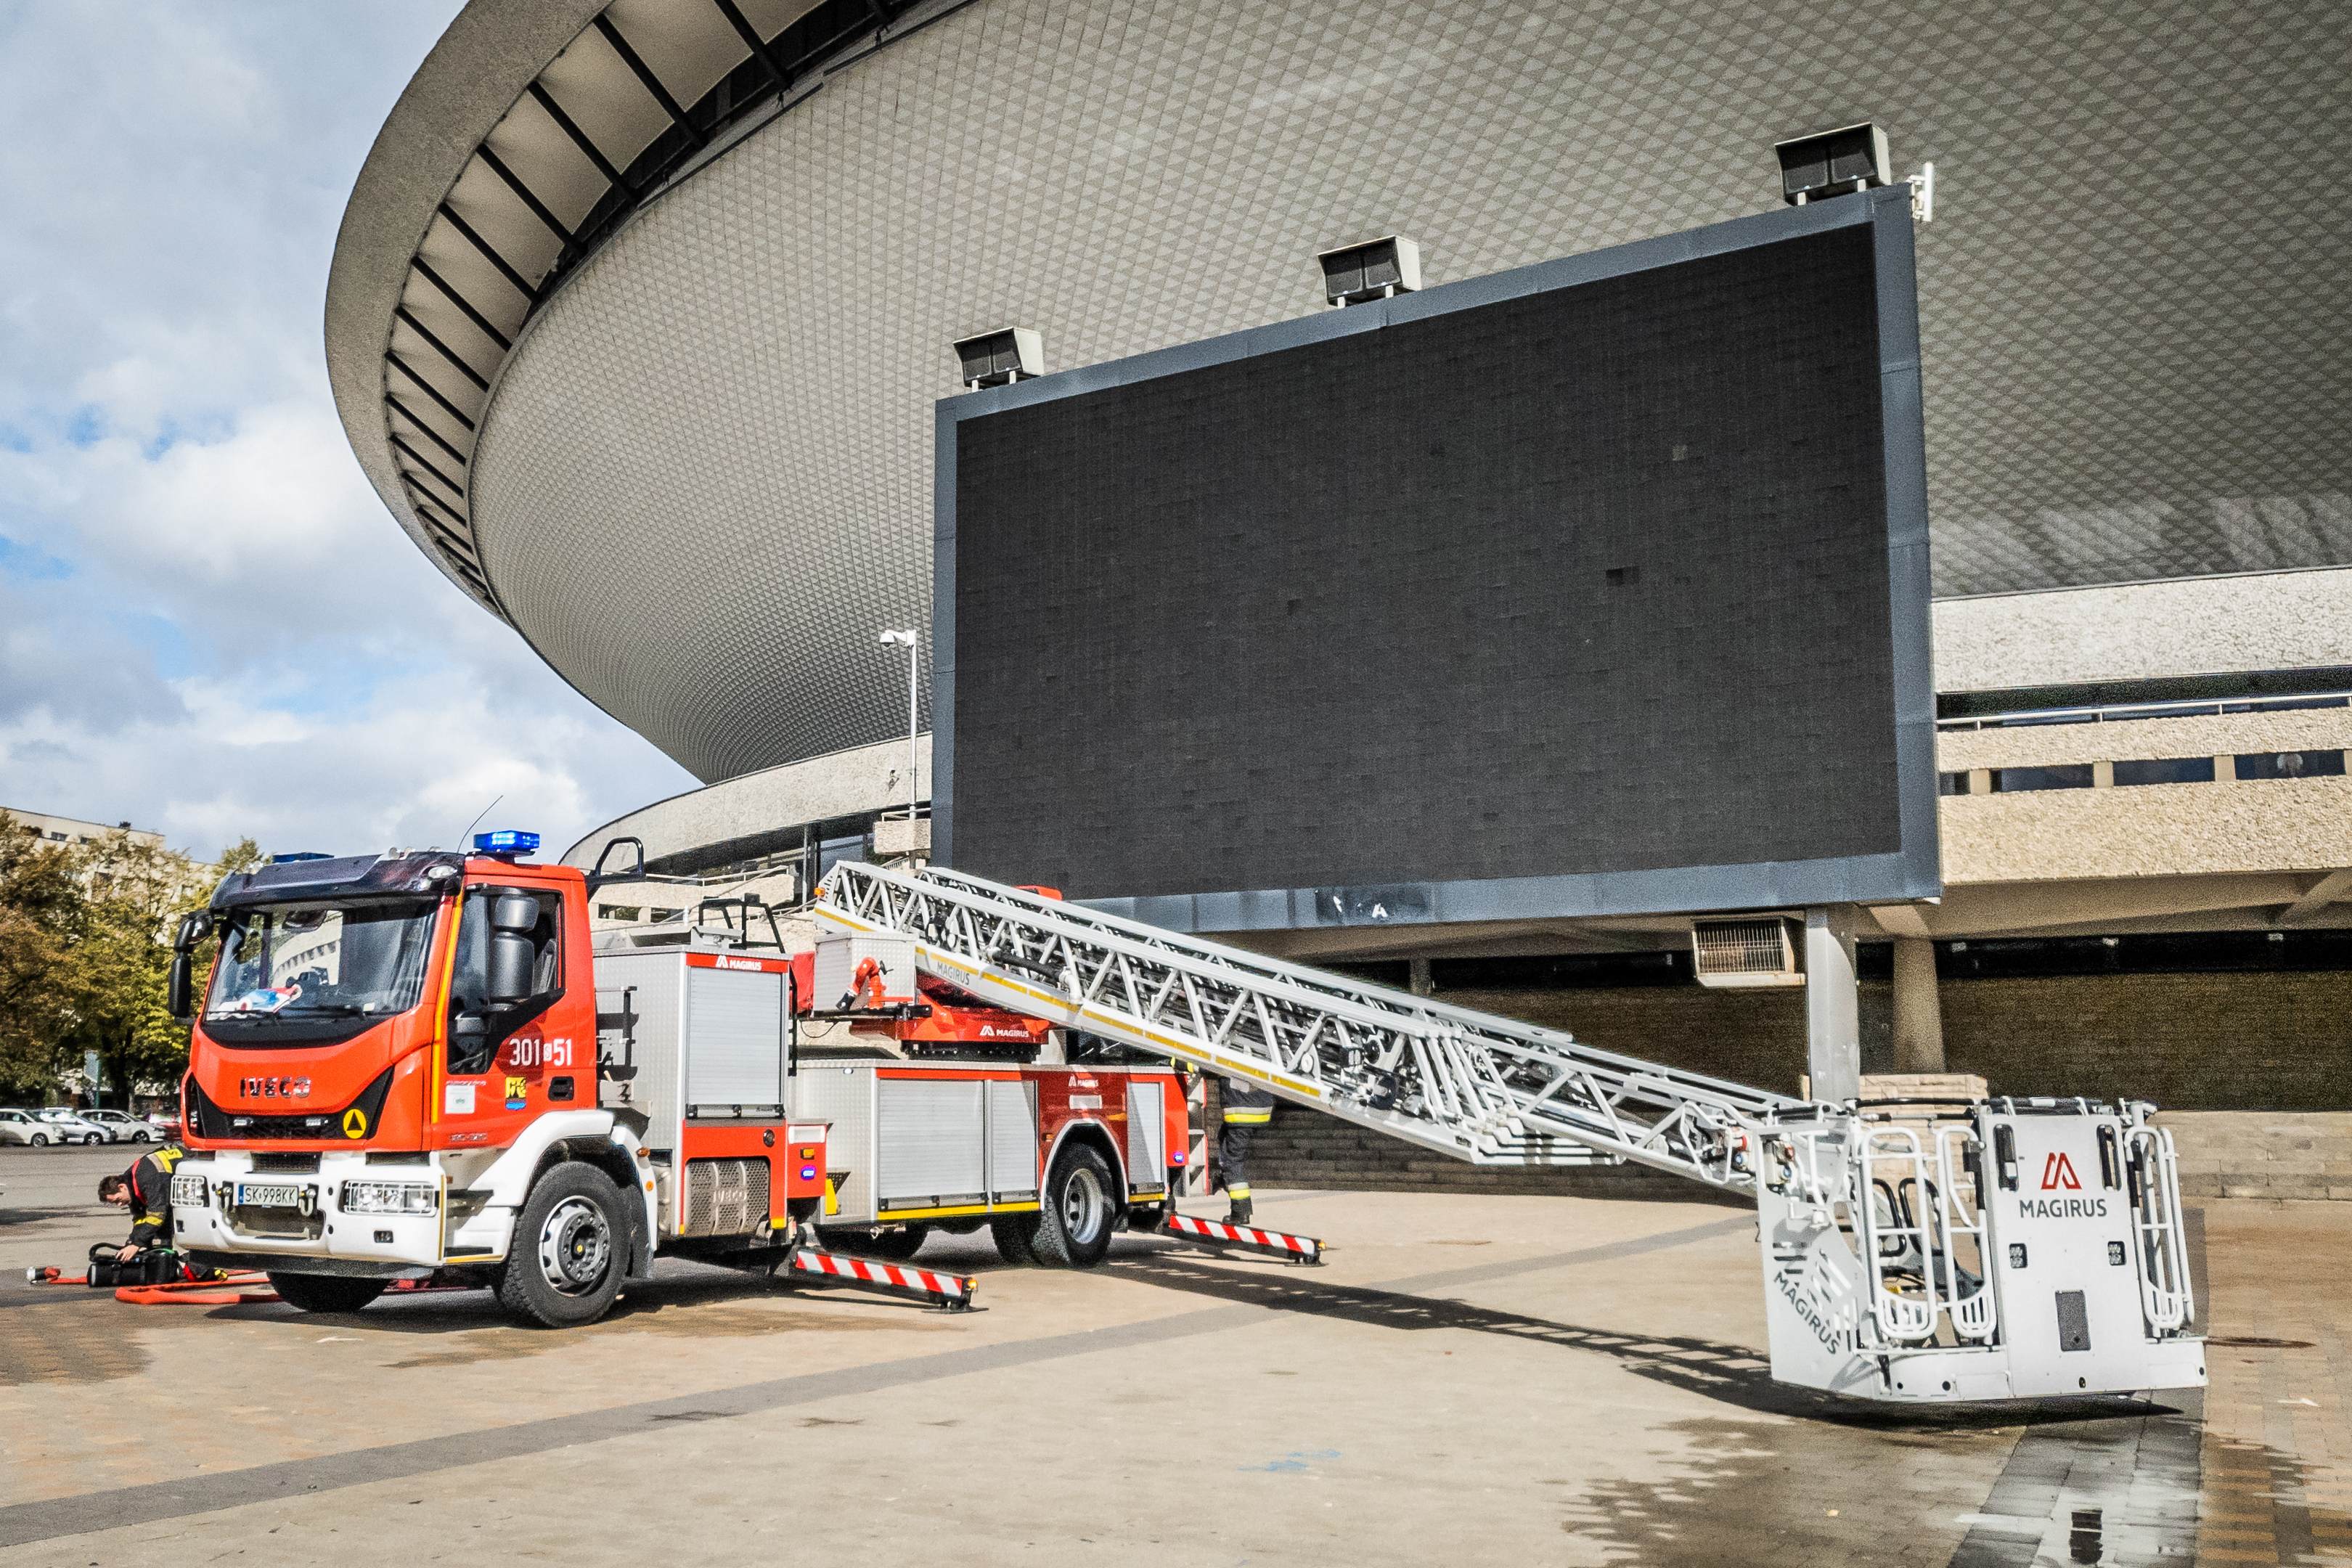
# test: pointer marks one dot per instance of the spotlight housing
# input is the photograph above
(1831, 162)
(1372, 271)
(1000, 358)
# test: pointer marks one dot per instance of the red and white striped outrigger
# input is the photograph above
(952, 1292)
(1280, 1244)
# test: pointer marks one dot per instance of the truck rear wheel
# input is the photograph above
(1080, 1197)
(571, 1244)
(1016, 1237)
(324, 1293)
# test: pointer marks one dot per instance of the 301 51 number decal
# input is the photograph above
(531, 1053)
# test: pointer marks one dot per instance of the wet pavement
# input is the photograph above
(1468, 1379)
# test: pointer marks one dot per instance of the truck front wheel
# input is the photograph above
(1075, 1222)
(324, 1293)
(570, 1244)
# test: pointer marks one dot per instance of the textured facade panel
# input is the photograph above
(704, 482)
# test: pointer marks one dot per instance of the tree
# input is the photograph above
(41, 905)
(86, 957)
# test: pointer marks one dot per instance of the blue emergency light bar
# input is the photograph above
(300, 855)
(506, 843)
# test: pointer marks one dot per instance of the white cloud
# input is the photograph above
(207, 622)
(275, 501)
(411, 766)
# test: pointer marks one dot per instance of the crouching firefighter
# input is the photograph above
(145, 1189)
(1245, 1107)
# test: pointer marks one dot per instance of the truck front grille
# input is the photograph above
(328, 1124)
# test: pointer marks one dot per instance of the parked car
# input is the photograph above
(20, 1127)
(120, 1126)
(67, 1127)
(164, 1125)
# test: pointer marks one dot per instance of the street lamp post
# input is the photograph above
(914, 646)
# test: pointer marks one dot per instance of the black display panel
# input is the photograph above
(1597, 587)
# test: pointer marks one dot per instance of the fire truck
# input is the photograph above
(418, 1065)
(392, 1076)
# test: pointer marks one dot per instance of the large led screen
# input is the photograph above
(1597, 587)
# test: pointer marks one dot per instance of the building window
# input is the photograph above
(835, 850)
(619, 911)
(660, 915)
(1953, 782)
(2290, 764)
(2058, 775)
(2166, 770)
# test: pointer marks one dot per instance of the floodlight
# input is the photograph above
(1831, 162)
(1372, 270)
(1000, 358)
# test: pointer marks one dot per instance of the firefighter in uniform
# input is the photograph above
(145, 1189)
(1243, 1108)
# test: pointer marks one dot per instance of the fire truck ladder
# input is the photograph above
(1480, 1089)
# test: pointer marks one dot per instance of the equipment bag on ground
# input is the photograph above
(155, 1266)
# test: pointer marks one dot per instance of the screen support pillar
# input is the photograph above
(1832, 1008)
(1918, 1017)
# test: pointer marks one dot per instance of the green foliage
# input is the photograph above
(86, 958)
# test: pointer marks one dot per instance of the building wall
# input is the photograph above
(2269, 1041)
(2124, 380)
(74, 830)
(2272, 1041)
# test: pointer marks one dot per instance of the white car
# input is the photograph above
(67, 1127)
(163, 1126)
(21, 1127)
(120, 1126)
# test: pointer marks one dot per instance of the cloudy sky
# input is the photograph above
(208, 623)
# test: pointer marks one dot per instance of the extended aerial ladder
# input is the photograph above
(2002, 1249)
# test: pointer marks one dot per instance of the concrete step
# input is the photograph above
(2262, 1154)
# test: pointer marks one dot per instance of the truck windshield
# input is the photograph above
(313, 961)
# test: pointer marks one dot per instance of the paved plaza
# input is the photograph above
(1467, 1380)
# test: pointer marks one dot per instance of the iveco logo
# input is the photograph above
(274, 1088)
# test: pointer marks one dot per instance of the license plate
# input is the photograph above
(266, 1194)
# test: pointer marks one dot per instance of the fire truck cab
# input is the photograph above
(418, 1065)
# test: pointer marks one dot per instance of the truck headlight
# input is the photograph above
(389, 1198)
(188, 1192)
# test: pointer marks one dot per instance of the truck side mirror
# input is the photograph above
(182, 1004)
(514, 912)
(513, 958)
(469, 1035)
(179, 997)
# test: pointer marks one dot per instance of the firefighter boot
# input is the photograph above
(1241, 1213)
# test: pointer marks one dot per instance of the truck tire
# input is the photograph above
(571, 1247)
(1080, 1197)
(1016, 1238)
(324, 1293)
(889, 1246)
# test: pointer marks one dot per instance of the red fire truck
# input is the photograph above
(417, 1064)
